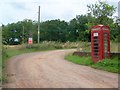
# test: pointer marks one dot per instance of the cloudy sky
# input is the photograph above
(17, 10)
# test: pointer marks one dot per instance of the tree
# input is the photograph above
(13, 33)
(102, 12)
(78, 29)
(54, 30)
(115, 32)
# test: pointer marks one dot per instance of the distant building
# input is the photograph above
(119, 9)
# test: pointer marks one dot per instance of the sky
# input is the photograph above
(12, 11)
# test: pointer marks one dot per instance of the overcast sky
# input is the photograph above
(17, 10)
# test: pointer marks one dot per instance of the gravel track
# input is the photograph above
(48, 69)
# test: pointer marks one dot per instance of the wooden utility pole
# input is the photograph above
(39, 25)
(23, 35)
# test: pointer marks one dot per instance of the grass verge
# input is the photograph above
(110, 65)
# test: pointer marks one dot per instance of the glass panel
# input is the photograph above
(96, 50)
(105, 45)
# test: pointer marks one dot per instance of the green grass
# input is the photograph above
(110, 65)
(79, 60)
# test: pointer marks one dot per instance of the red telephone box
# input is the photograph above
(100, 42)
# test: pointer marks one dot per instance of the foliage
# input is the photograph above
(102, 12)
(15, 31)
(51, 30)
(116, 30)
(54, 30)
(111, 65)
(77, 29)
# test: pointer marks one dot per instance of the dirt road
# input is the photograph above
(50, 70)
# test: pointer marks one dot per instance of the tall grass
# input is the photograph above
(114, 46)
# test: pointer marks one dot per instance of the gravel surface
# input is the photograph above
(48, 69)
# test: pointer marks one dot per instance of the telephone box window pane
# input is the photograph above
(95, 38)
(95, 44)
(105, 45)
(96, 54)
(95, 48)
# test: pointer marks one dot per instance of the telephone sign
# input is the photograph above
(95, 34)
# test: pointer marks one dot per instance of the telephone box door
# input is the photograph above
(95, 41)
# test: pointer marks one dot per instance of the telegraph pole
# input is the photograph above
(38, 24)
(23, 35)
(119, 9)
